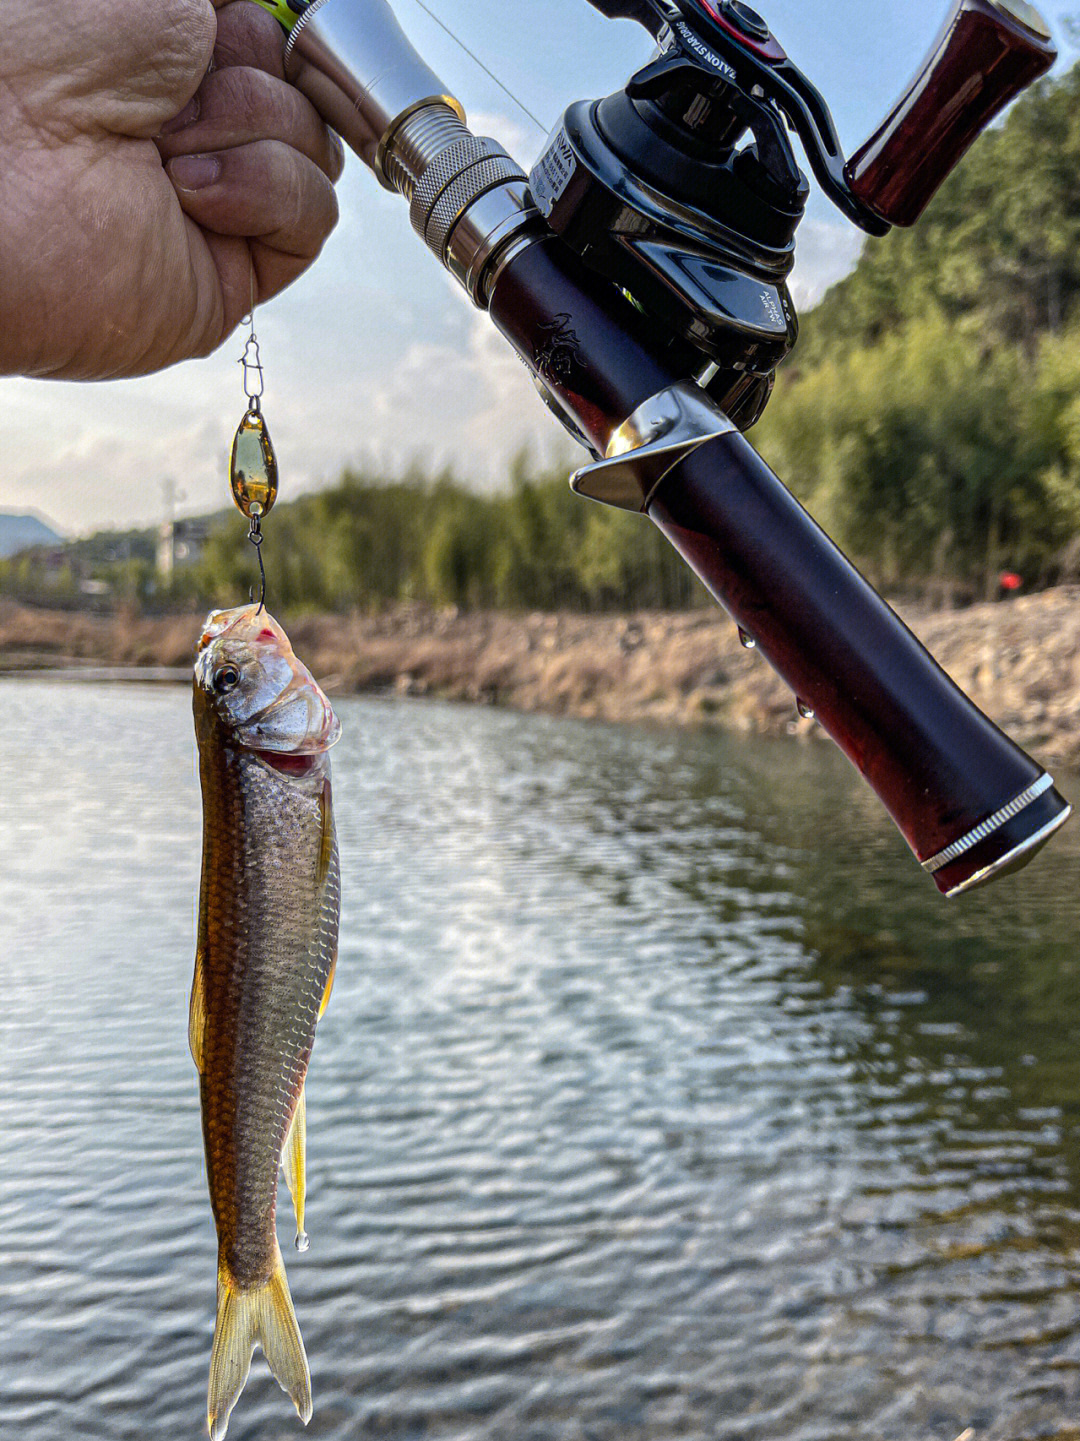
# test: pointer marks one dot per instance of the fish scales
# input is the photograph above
(268, 951)
(267, 947)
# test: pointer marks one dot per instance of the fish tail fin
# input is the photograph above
(244, 1318)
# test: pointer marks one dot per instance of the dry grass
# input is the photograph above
(1020, 661)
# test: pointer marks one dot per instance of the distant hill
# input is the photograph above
(998, 251)
(930, 416)
(20, 531)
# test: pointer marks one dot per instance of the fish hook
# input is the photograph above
(255, 535)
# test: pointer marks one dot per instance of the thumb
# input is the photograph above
(124, 67)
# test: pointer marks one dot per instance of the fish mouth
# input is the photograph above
(244, 618)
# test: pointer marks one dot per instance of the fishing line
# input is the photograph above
(543, 129)
(254, 387)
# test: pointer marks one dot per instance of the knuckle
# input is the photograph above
(160, 54)
(333, 210)
(297, 202)
(243, 103)
(249, 104)
(329, 217)
(247, 35)
(311, 208)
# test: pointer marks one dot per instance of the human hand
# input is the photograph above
(143, 200)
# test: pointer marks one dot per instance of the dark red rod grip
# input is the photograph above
(947, 775)
(942, 769)
(987, 52)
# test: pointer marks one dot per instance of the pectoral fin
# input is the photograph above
(328, 845)
(197, 1014)
(294, 1160)
(329, 987)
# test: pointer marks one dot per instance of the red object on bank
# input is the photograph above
(1009, 580)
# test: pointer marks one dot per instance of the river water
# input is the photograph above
(660, 1096)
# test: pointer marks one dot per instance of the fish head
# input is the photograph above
(249, 680)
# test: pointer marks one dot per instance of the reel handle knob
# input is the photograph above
(987, 52)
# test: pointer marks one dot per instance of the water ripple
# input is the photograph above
(642, 1110)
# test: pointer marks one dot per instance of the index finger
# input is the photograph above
(248, 35)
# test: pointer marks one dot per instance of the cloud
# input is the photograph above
(518, 135)
(469, 405)
(95, 456)
(375, 356)
(825, 251)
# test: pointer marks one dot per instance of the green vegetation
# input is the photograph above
(367, 544)
(936, 461)
(930, 419)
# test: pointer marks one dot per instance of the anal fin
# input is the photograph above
(294, 1160)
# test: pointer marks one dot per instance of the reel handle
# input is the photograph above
(639, 10)
(986, 53)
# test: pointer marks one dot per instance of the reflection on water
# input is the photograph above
(660, 1096)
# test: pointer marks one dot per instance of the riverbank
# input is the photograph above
(1019, 660)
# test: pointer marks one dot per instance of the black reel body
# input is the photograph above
(683, 188)
(698, 278)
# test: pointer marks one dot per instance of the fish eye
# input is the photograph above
(225, 679)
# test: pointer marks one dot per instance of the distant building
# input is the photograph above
(180, 542)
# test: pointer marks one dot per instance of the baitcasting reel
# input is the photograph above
(683, 187)
(640, 274)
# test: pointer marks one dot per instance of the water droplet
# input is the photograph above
(747, 641)
(807, 712)
(253, 472)
(303, 1241)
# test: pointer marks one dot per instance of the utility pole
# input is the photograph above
(172, 495)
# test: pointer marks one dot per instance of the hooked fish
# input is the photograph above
(264, 966)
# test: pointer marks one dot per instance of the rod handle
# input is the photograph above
(970, 803)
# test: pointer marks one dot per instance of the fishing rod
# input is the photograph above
(640, 273)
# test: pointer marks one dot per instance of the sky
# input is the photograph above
(375, 357)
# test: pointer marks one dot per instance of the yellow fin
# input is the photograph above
(326, 865)
(329, 840)
(329, 987)
(197, 1013)
(244, 1318)
(294, 1159)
